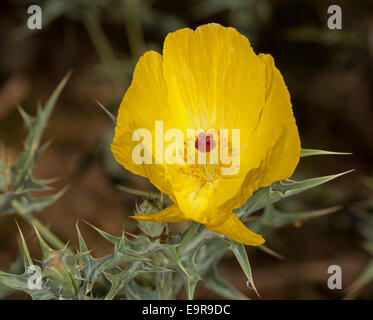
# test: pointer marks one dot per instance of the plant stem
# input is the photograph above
(188, 235)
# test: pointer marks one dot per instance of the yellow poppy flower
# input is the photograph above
(205, 79)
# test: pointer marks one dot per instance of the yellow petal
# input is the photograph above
(234, 229)
(170, 214)
(278, 123)
(276, 139)
(143, 103)
(214, 78)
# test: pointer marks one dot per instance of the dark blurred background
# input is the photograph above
(329, 74)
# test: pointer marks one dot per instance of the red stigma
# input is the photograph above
(205, 142)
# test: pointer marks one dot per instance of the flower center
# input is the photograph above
(205, 142)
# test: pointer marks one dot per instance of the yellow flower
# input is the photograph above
(210, 78)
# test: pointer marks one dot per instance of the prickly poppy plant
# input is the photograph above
(210, 124)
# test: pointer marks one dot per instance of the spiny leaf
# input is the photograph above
(31, 204)
(215, 283)
(137, 192)
(175, 257)
(113, 239)
(187, 266)
(45, 248)
(278, 191)
(26, 117)
(26, 254)
(93, 268)
(22, 181)
(31, 185)
(89, 263)
(289, 188)
(315, 152)
(118, 281)
(240, 253)
(82, 244)
(136, 292)
(161, 197)
(36, 127)
(123, 245)
(20, 282)
(111, 116)
(17, 267)
(271, 252)
(90, 272)
(273, 218)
